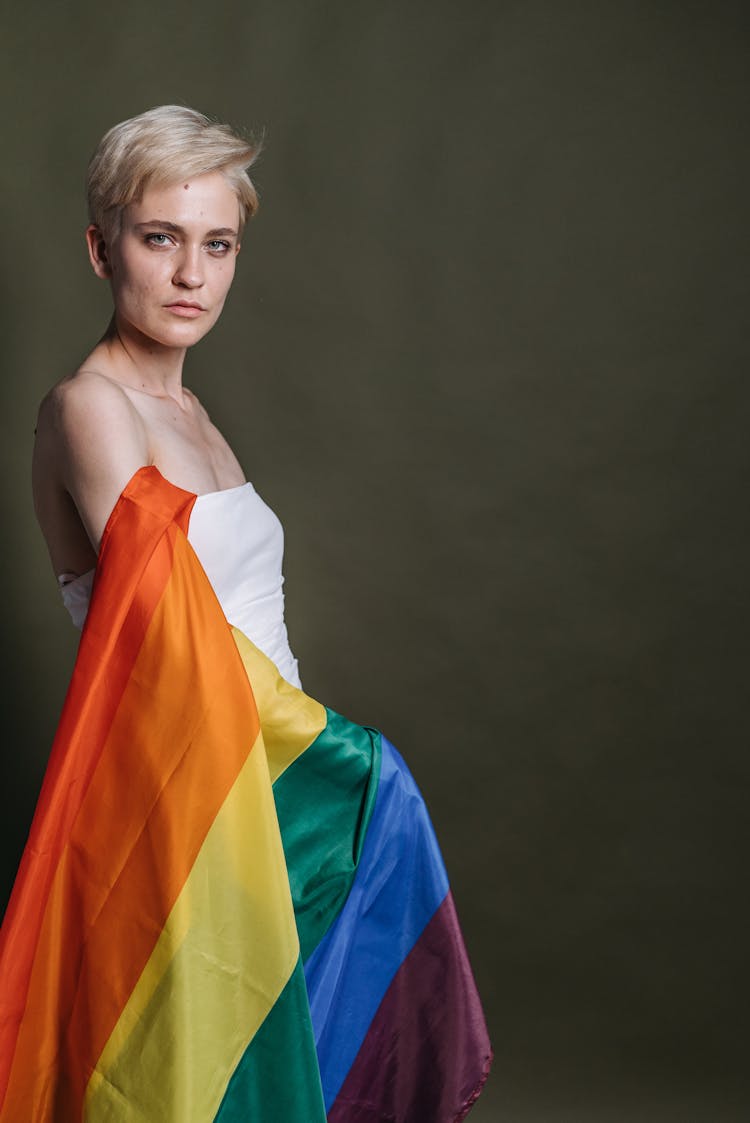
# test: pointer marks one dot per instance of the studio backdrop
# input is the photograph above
(486, 357)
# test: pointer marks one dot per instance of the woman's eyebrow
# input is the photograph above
(225, 231)
(160, 222)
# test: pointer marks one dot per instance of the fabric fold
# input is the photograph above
(204, 832)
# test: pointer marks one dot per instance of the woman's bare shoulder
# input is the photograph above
(81, 399)
(88, 424)
(89, 442)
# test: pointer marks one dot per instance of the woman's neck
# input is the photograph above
(139, 362)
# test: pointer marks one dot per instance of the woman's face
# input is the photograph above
(172, 265)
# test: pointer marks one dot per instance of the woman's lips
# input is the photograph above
(190, 311)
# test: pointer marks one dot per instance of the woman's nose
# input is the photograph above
(189, 271)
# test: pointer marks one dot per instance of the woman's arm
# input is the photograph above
(89, 442)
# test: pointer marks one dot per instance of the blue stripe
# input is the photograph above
(400, 882)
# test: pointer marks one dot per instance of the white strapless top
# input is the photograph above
(240, 544)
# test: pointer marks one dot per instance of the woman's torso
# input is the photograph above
(239, 542)
(94, 432)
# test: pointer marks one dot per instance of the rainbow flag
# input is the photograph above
(231, 905)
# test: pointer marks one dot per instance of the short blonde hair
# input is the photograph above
(162, 146)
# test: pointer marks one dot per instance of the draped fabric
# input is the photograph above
(231, 905)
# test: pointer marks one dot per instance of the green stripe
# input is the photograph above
(324, 801)
(278, 1078)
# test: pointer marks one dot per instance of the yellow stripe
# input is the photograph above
(224, 956)
(289, 719)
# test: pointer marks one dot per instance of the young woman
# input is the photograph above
(169, 197)
(231, 904)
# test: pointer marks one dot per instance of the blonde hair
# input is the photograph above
(162, 146)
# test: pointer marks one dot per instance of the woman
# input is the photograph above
(169, 255)
(184, 940)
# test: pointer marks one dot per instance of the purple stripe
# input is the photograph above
(427, 1053)
(399, 886)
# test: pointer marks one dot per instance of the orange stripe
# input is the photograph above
(113, 635)
(179, 739)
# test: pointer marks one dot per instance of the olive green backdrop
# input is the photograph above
(485, 356)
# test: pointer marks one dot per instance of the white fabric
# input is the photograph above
(240, 544)
(76, 594)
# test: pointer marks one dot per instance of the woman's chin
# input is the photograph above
(179, 334)
(185, 335)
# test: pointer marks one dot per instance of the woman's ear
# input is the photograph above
(98, 255)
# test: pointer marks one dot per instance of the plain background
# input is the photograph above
(486, 358)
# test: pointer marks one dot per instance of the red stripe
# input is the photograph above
(427, 1053)
(112, 638)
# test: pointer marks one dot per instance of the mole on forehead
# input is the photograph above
(187, 187)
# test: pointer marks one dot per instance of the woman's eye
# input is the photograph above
(157, 239)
